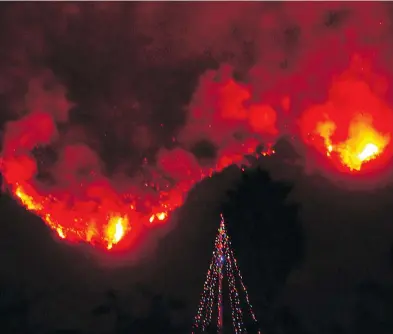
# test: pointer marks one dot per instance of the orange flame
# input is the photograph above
(161, 216)
(27, 201)
(364, 142)
(115, 230)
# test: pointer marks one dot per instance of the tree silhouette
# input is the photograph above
(266, 234)
(16, 305)
(286, 322)
(373, 308)
(124, 321)
(157, 319)
(14, 309)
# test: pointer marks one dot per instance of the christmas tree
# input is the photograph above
(223, 264)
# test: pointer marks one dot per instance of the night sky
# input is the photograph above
(126, 83)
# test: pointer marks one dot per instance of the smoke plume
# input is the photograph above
(112, 112)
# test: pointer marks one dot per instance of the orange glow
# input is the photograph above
(80, 203)
(364, 142)
(59, 231)
(269, 151)
(27, 201)
(161, 216)
(116, 226)
(354, 125)
(116, 229)
(108, 222)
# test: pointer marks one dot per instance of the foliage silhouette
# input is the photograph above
(373, 308)
(267, 236)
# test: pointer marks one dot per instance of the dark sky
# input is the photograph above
(315, 248)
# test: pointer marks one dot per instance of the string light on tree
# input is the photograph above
(223, 263)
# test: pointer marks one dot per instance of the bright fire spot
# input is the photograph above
(369, 151)
(60, 233)
(115, 230)
(161, 216)
(364, 142)
(268, 152)
(27, 201)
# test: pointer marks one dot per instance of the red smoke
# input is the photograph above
(322, 88)
(354, 127)
(82, 204)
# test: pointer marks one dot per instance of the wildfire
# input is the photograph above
(268, 152)
(161, 216)
(98, 223)
(27, 201)
(364, 142)
(80, 203)
(115, 230)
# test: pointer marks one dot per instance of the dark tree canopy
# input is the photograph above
(391, 257)
(266, 234)
(373, 308)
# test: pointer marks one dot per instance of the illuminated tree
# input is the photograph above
(223, 264)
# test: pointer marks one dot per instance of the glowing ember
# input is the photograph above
(269, 151)
(363, 144)
(161, 216)
(59, 231)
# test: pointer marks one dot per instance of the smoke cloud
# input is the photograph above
(112, 112)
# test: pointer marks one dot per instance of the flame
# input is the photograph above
(116, 227)
(75, 224)
(116, 230)
(364, 142)
(269, 151)
(27, 201)
(60, 232)
(161, 216)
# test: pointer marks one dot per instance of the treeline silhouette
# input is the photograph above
(373, 310)
(269, 243)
